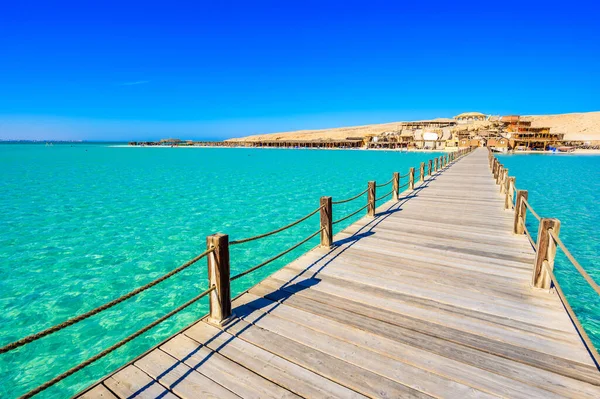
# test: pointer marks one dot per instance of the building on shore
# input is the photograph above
(467, 117)
(523, 136)
(471, 129)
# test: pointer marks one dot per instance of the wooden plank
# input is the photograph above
(272, 367)
(223, 371)
(356, 378)
(513, 333)
(408, 375)
(98, 392)
(179, 378)
(133, 382)
(387, 328)
(573, 369)
(452, 369)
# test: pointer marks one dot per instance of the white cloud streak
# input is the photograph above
(137, 82)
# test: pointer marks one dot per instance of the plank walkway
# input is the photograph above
(432, 298)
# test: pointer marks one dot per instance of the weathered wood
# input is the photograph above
(371, 199)
(326, 222)
(429, 166)
(422, 172)
(508, 191)
(133, 382)
(98, 392)
(520, 212)
(218, 277)
(546, 252)
(500, 174)
(285, 373)
(411, 178)
(503, 180)
(435, 164)
(396, 185)
(183, 381)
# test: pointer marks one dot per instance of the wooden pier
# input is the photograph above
(432, 297)
(439, 292)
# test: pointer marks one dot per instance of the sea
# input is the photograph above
(82, 224)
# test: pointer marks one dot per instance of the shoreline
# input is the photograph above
(452, 149)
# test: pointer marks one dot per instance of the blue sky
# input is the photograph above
(145, 70)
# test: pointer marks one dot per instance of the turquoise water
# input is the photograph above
(567, 187)
(83, 224)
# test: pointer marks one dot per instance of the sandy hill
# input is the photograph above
(578, 126)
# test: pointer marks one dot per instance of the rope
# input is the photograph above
(580, 329)
(406, 175)
(350, 215)
(531, 210)
(383, 196)
(533, 244)
(275, 257)
(580, 269)
(385, 184)
(114, 347)
(404, 185)
(236, 242)
(350, 199)
(76, 319)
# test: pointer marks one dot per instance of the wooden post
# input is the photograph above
(218, 277)
(520, 212)
(441, 164)
(396, 186)
(326, 222)
(499, 174)
(371, 199)
(422, 177)
(503, 180)
(429, 164)
(435, 165)
(546, 252)
(411, 178)
(510, 182)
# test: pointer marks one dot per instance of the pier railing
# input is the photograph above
(217, 255)
(546, 244)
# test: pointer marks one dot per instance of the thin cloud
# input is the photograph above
(137, 82)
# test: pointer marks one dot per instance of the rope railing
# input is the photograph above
(574, 262)
(545, 252)
(533, 243)
(351, 198)
(582, 333)
(114, 302)
(279, 255)
(385, 184)
(349, 216)
(114, 347)
(534, 213)
(270, 233)
(383, 196)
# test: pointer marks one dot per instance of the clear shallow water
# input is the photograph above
(567, 187)
(83, 224)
